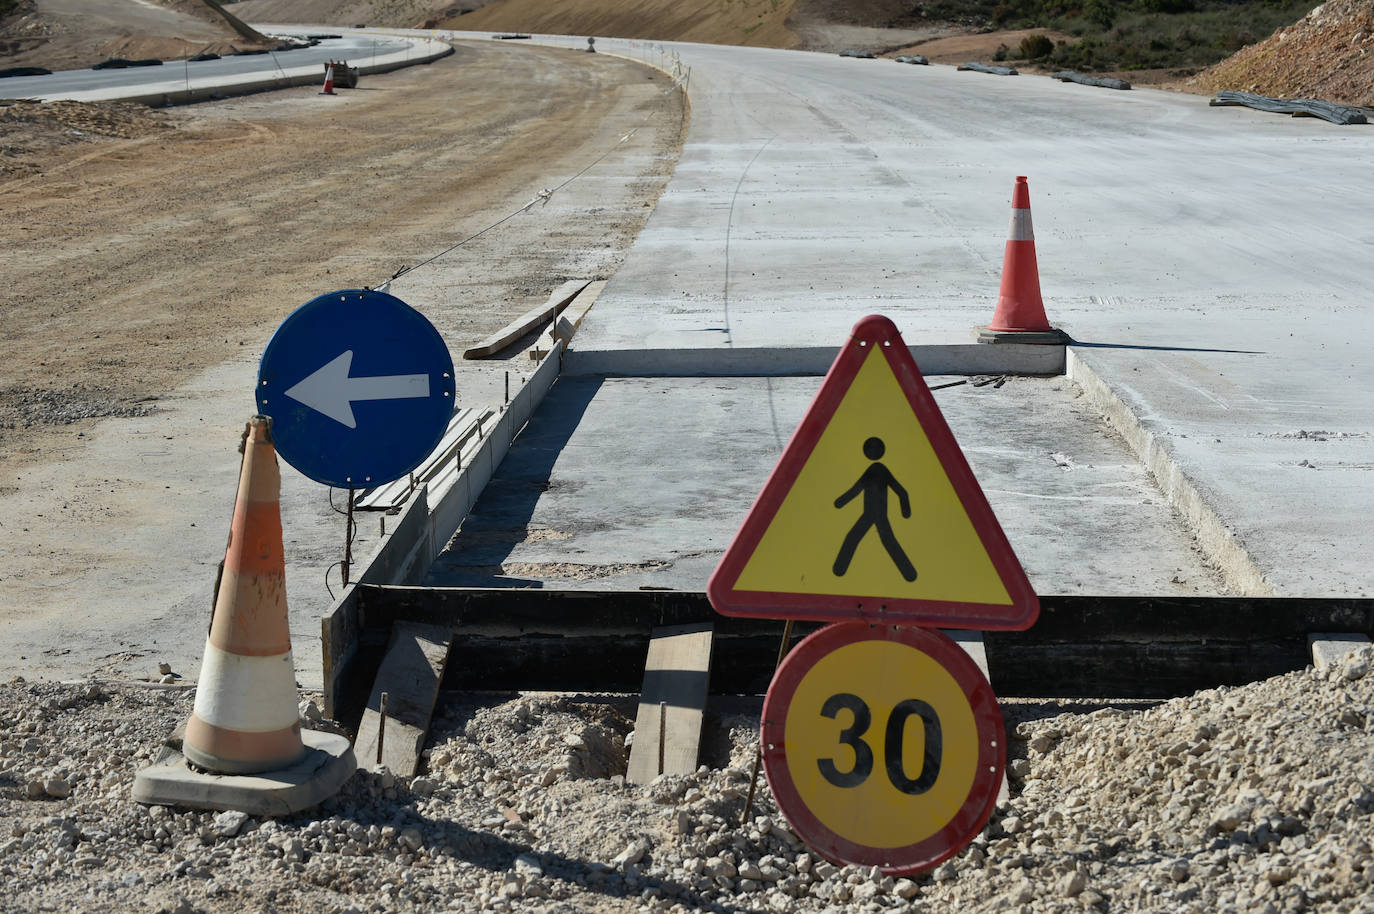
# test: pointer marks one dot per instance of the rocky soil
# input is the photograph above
(1249, 799)
(29, 129)
(1328, 54)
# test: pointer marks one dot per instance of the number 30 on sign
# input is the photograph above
(884, 746)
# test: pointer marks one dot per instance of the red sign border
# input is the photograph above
(987, 780)
(1021, 613)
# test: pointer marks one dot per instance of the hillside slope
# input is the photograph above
(73, 34)
(1328, 54)
(757, 23)
(395, 14)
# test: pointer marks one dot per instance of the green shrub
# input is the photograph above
(1034, 47)
(1100, 13)
(1126, 34)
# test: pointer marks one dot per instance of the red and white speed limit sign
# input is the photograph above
(884, 746)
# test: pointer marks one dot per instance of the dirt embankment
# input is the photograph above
(1328, 54)
(75, 34)
(758, 23)
(399, 14)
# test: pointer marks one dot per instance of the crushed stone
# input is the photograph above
(1244, 799)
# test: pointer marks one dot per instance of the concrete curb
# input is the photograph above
(1221, 547)
(956, 359)
(428, 520)
(181, 92)
(559, 299)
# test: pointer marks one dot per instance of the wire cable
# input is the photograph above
(542, 197)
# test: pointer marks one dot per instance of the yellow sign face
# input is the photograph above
(883, 746)
(872, 708)
(873, 512)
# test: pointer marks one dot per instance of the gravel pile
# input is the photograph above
(125, 120)
(1251, 799)
(29, 128)
(1325, 55)
(26, 407)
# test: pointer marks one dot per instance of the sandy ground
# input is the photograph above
(145, 273)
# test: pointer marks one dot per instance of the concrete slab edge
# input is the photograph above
(427, 522)
(1221, 547)
(942, 359)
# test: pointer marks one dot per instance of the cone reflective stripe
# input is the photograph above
(328, 81)
(245, 717)
(1019, 305)
(242, 704)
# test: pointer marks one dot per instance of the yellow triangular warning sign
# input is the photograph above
(873, 513)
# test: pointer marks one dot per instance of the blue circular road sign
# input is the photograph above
(359, 386)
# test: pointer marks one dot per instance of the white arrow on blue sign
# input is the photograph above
(359, 386)
(331, 390)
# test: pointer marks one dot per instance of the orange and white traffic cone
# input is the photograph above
(328, 80)
(244, 737)
(245, 718)
(1020, 313)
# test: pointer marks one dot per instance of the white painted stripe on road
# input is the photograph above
(253, 694)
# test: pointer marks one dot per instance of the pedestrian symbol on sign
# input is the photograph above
(874, 483)
(824, 539)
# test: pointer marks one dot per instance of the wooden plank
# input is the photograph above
(1330, 648)
(570, 320)
(411, 671)
(339, 638)
(672, 703)
(566, 324)
(558, 300)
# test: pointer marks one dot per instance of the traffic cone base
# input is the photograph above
(1020, 313)
(326, 765)
(241, 725)
(1051, 337)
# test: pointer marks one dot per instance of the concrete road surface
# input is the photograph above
(1211, 264)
